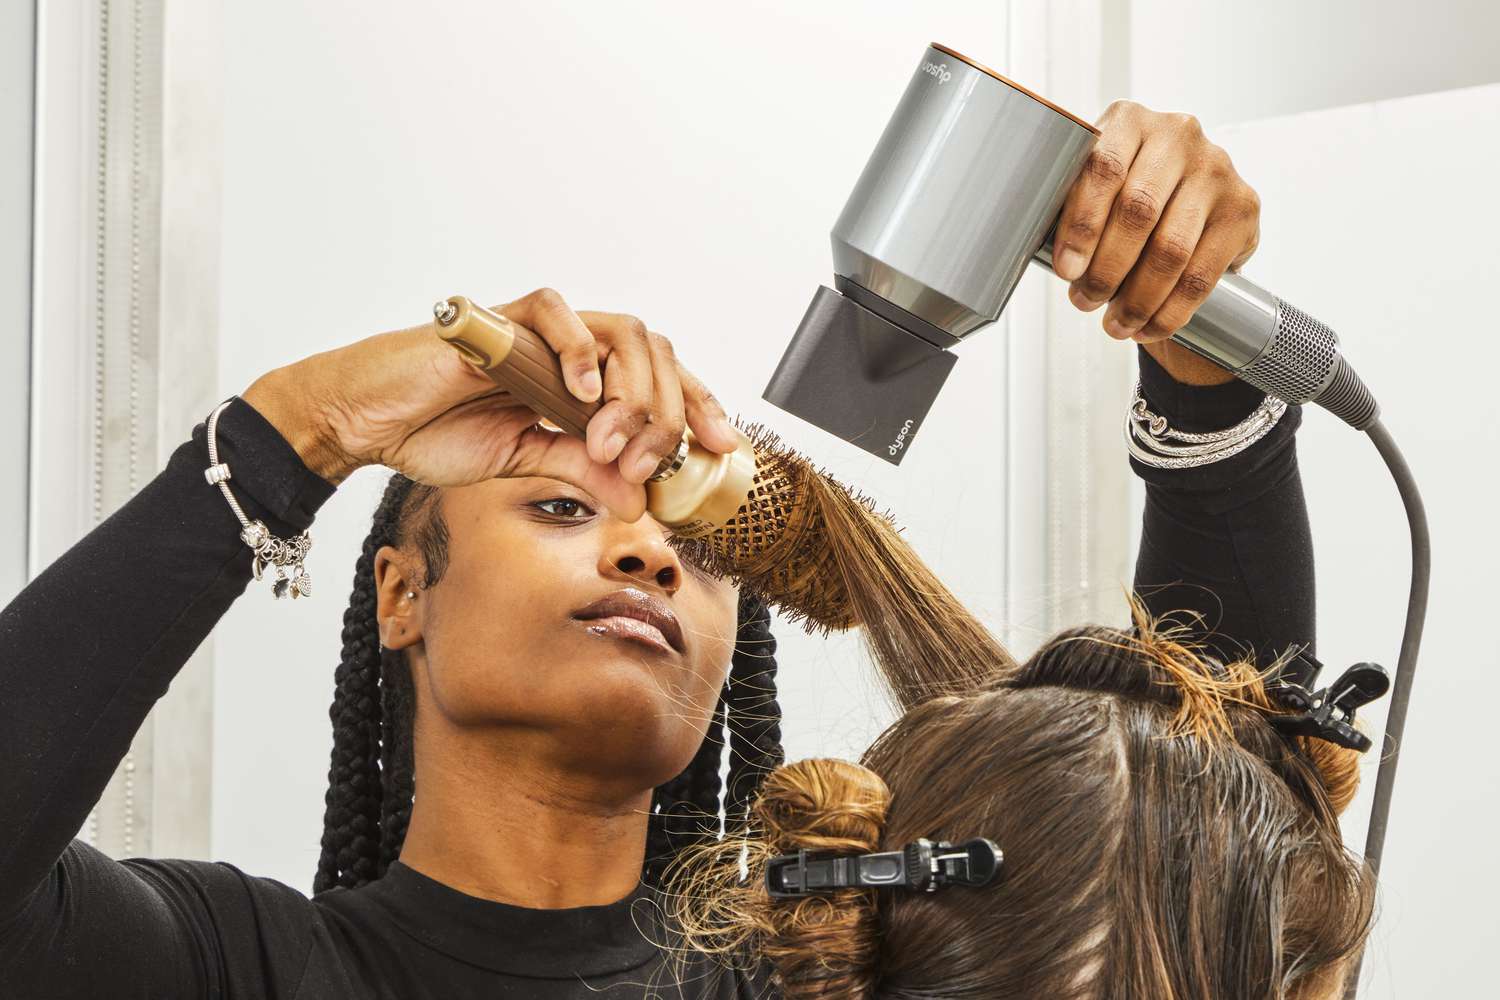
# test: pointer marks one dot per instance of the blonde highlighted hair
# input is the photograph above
(1161, 840)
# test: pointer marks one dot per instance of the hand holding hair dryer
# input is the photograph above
(960, 194)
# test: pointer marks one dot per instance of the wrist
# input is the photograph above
(1193, 407)
(1186, 366)
(298, 412)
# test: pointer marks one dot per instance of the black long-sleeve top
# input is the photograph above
(88, 647)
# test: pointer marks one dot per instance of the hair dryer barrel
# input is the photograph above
(960, 190)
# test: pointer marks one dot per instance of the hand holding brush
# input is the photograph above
(766, 517)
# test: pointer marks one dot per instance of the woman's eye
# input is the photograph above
(563, 507)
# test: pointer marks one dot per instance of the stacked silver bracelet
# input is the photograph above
(1153, 443)
(269, 550)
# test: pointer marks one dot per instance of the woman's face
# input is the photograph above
(562, 631)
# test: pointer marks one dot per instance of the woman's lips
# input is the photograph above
(631, 628)
(635, 615)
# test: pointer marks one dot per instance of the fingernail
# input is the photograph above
(1069, 265)
(591, 385)
(614, 445)
(1119, 330)
(1082, 301)
(645, 466)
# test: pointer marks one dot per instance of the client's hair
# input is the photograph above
(1161, 840)
(371, 777)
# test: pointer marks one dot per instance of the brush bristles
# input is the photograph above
(821, 554)
(776, 543)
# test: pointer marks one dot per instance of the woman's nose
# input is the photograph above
(639, 553)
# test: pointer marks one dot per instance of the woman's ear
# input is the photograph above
(398, 610)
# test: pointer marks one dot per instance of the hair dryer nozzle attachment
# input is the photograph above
(859, 376)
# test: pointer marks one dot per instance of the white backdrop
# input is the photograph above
(1380, 220)
(668, 159)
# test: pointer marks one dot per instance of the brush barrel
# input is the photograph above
(700, 495)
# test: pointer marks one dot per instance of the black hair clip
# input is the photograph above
(1329, 714)
(922, 865)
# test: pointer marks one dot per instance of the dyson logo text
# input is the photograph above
(900, 441)
(939, 71)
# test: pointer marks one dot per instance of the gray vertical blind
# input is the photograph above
(125, 326)
(18, 141)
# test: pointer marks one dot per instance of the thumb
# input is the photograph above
(540, 452)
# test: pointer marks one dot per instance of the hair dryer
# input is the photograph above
(961, 192)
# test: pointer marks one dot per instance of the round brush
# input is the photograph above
(752, 514)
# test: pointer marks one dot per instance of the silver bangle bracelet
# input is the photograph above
(269, 550)
(1152, 442)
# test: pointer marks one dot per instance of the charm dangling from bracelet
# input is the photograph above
(272, 551)
(268, 549)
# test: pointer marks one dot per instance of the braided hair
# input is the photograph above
(371, 773)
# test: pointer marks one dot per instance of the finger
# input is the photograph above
(705, 416)
(628, 386)
(560, 456)
(1218, 248)
(1153, 177)
(664, 423)
(1240, 207)
(1166, 254)
(1251, 243)
(1084, 211)
(545, 312)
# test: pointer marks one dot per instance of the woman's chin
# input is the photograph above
(648, 724)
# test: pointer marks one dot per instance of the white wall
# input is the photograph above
(1231, 62)
(1385, 230)
(681, 161)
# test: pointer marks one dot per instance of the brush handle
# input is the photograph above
(517, 359)
(694, 491)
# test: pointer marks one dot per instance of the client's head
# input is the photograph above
(1160, 838)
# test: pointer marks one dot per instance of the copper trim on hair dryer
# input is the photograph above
(694, 491)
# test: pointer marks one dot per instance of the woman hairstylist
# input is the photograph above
(566, 663)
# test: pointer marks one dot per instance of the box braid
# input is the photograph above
(371, 774)
(753, 715)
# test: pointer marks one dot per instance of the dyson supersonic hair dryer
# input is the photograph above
(959, 195)
(961, 192)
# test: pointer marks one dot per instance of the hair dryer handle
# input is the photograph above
(516, 358)
(1273, 345)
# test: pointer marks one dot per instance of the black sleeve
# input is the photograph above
(86, 649)
(1227, 543)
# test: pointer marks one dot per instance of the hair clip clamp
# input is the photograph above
(1329, 714)
(922, 866)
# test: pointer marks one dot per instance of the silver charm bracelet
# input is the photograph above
(269, 550)
(1152, 442)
